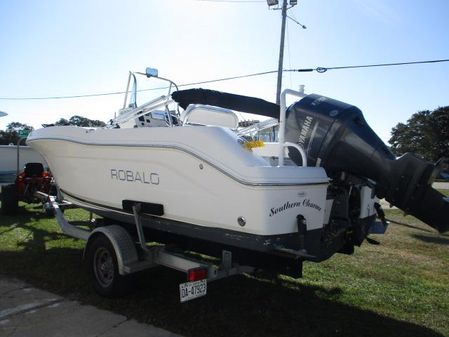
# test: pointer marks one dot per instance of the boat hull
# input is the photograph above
(218, 186)
(265, 251)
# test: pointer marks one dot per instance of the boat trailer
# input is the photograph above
(112, 255)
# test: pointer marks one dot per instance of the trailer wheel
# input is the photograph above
(10, 201)
(103, 268)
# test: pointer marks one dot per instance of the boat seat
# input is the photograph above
(210, 115)
(34, 169)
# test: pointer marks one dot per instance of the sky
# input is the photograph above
(77, 47)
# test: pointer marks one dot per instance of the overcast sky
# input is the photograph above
(58, 48)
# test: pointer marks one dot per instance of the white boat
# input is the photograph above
(200, 183)
(13, 158)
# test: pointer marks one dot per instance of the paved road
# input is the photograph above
(27, 311)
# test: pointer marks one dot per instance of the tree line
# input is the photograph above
(11, 134)
(426, 133)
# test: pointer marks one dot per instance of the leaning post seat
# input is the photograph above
(210, 115)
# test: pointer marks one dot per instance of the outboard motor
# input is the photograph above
(336, 136)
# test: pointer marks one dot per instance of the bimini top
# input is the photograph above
(226, 100)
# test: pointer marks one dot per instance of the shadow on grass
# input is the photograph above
(24, 219)
(395, 222)
(439, 240)
(237, 306)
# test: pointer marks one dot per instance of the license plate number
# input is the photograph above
(190, 290)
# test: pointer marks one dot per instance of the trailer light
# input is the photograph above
(196, 274)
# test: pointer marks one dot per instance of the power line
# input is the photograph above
(123, 92)
(61, 97)
(318, 69)
(324, 69)
(230, 78)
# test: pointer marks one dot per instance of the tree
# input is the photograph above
(80, 121)
(62, 122)
(426, 133)
(11, 134)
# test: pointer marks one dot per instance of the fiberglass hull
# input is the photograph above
(202, 182)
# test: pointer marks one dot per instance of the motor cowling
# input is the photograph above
(336, 136)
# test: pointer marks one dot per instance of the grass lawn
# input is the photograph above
(397, 288)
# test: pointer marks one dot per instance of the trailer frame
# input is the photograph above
(124, 256)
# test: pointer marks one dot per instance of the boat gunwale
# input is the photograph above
(192, 153)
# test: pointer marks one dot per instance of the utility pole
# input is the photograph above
(284, 8)
(281, 53)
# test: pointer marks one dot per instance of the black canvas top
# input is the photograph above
(226, 100)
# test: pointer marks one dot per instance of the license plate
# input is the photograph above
(190, 290)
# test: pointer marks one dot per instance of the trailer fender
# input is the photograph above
(124, 246)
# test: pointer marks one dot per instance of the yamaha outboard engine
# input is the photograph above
(336, 136)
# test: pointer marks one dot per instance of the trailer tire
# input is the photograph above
(10, 200)
(103, 268)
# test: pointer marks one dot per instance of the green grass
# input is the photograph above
(397, 288)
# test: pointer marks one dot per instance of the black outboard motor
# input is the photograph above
(336, 136)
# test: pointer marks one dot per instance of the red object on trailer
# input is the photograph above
(196, 274)
(34, 178)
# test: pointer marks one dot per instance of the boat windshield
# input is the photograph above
(198, 107)
(160, 111)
